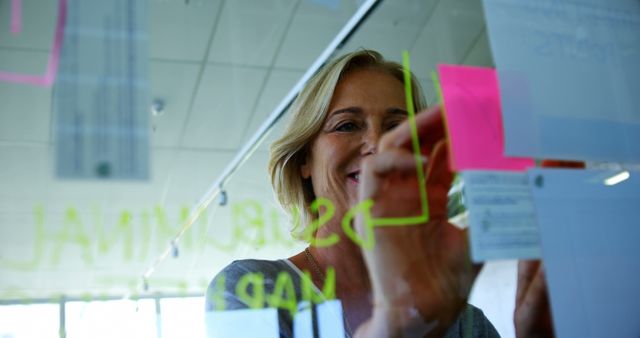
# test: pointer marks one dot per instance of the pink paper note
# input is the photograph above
(474, 120)
(49, 77)
(16, 16)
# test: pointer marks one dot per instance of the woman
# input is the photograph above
(415, 278)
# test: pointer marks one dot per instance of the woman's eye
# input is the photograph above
(347, 126)
(392, 125)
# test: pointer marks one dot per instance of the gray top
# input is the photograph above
(472, 318)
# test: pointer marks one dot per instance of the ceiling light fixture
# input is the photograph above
(157, 107)
(617, 178)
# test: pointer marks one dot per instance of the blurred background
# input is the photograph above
(74, 249)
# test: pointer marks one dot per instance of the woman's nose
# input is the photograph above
(370, 141)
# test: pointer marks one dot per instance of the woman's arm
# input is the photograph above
(532, 315)
(421, 273)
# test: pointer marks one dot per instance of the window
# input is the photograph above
(105, 319)
(182, 317)
(17, 321)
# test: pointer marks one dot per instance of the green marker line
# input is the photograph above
(436, 86)
(443, 109)
(400, 221)
(438, 89)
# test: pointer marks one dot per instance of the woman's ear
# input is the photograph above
(305, 169)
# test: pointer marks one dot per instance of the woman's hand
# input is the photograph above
(421, 274)
(532, 315)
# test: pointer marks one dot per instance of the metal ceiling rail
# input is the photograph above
(361, 14)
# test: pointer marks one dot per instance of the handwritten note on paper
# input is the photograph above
(474, 119)
(243, 323)
(102, 93)
(501, 216)
(589, 235)
(569, 77)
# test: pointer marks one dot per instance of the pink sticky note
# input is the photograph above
(474, 120)
(49, 76)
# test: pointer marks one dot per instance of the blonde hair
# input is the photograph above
(309, 111)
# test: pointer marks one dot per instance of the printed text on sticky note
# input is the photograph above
(501, 215)
(474, 120)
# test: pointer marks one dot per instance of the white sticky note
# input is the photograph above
(303, 321)
(501, 215)
(590, 235)
(569, 77)
(243, 323)
(101, 96)
(330, 319)
(329, 316)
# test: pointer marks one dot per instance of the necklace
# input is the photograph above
(314, 264)
(316, 267)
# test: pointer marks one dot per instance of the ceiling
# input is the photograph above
(221, 67)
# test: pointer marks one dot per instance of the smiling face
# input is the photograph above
(366, 103)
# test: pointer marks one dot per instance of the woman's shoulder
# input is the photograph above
(472, 323)
(222, 293)
(267, 268)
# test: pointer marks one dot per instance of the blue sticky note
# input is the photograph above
(590, 235)
(243, 323)
(569, 77)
